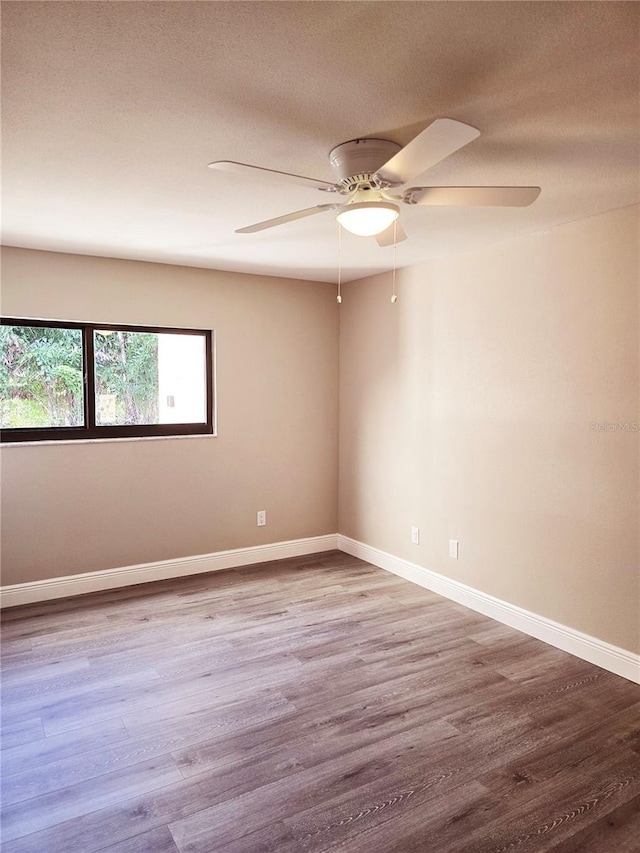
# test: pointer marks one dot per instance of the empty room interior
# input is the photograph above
(320, 419)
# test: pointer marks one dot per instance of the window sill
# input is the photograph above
(49, 442)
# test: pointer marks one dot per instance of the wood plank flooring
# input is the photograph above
(315, 704)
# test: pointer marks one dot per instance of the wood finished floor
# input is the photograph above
(316, 704)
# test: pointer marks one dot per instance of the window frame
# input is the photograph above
(92, 431)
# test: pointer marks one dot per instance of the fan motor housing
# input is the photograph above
(355, 162)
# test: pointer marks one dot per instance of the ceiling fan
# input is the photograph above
(372, 177)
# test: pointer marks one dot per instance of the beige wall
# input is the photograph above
(465, 410)
(72, 508)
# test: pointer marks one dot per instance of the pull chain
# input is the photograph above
(394, 298)
(339, 297)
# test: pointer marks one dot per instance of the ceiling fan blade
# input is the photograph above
(249, 171)
(473, 196)
(288, 217)
(439, 140)
(388, 237)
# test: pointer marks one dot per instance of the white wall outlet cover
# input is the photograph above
(453, 548)
(261, 518)
(415, 535)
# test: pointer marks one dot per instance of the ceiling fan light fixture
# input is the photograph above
(368, 218)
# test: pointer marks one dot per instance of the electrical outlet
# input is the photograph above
(415, 535)
(453, 548)
(261, 518)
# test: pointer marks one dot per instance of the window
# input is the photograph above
(87, 380)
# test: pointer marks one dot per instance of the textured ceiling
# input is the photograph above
(112, 110)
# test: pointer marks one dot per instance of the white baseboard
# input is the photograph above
(609, 657)
(44, 590)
